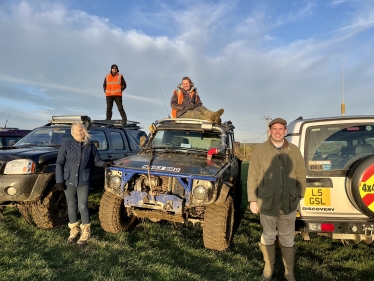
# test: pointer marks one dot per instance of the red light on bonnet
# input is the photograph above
(327, 227)
(353, 129)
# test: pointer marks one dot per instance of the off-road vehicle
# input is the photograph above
(27, 169)
(186, 172)
(339, 158)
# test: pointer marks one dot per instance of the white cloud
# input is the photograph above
(55, 58)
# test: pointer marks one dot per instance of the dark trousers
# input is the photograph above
(77, 199)
(109, 106)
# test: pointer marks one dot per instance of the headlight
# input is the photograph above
(114, 182)
(20, 166)
(202, 191)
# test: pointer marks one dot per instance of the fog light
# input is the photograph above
(11, 190)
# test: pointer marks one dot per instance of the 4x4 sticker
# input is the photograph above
(162, 168)
(367, 187)
(319, 165)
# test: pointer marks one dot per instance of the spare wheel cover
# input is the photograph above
(360, 186)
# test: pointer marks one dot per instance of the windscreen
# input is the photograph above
(186, 139)
(47, 136)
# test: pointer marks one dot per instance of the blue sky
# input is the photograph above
(256, 59)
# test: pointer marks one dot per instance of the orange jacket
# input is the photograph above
(179, 105)
(113, 85)
(180, 101)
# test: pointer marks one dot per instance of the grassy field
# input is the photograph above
(166, 251)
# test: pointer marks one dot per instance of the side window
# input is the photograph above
(118, 143)
(100, 137)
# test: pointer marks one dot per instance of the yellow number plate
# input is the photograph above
(317, 197)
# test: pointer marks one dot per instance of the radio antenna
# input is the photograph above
(167, 112)
(342, 106)
(6, 122)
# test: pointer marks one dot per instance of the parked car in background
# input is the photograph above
(9, 136)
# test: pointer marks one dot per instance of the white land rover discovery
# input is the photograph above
(339, 158)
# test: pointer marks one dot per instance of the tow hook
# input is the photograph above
(368, 230)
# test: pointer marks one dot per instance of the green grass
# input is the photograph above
(166, 251)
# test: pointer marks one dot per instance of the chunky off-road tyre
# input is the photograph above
(26, 211)
(113, 215)
(238, 197)
(218, 225)
(51, 211)
(360, 185)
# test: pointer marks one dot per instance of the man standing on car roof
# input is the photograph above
(114, 85)
(276, 184)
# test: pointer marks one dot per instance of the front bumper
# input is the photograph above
(23, 187)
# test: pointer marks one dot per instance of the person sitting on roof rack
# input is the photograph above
(186, 103)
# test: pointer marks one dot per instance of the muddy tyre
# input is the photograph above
(113, 215)
(52, 211)
(238, 196)
(26, 212)
(218, 225)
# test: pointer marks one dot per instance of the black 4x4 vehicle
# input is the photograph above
(27, 169)
(186, 172)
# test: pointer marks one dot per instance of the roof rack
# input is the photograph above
(70, 119)
(183, 120)
(117, 123)
(204, 123)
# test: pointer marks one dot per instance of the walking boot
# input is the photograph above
(268, 251)
(288, 257)
(74, 232)
(86, 233)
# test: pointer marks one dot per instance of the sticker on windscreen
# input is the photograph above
(320, 165)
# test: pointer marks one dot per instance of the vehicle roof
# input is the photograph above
(295, 125)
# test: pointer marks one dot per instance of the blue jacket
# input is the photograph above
(75, 163)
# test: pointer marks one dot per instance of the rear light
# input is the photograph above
(327, 227)
(324, 227)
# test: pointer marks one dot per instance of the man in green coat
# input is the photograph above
(276, 183)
